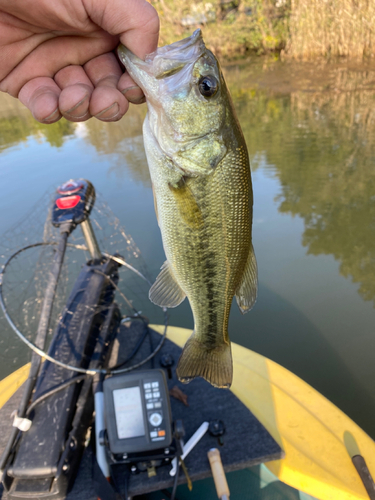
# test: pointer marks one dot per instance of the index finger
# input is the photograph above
(136, 22)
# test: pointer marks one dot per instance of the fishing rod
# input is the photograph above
(40, 340)
(70, 210)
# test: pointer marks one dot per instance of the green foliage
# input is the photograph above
(57, 132)
(13, 130)
(304, 28)
(19, 126)
(232, 29)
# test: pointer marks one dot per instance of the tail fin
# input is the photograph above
(214, 365)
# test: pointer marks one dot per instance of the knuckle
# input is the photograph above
(151, 21)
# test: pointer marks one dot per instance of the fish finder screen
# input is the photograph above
(129, 414)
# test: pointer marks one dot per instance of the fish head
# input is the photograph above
(187, 102)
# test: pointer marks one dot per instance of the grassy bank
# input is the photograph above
(332, 28)
(232, 28)
(302, 29)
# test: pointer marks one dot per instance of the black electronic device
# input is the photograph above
(73, 202)
(137, 413)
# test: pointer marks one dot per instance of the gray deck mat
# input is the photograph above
(246, 441)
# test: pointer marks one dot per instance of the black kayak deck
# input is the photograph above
(245, 443)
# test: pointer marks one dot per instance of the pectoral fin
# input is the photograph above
(166, 292)
(187, 205)
(246, 293)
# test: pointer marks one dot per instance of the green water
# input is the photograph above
(310, 131)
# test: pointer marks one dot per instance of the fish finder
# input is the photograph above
(137, 412)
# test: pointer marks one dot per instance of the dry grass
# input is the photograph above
(332, 28)
(304, 28)
(231, 28)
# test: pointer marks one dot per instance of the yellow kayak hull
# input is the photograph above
(10, 384)
(318, 438)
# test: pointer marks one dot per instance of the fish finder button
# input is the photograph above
(155, 419)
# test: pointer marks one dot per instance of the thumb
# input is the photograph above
(136, 22)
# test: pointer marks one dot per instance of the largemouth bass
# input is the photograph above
(201, 180)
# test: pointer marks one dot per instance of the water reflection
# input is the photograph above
(123, 141)
(17, 124)
(314, 125)
(320, 140)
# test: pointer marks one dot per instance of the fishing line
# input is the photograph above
(130, 305)
(121, 261)
(44, 354)
(52, 391)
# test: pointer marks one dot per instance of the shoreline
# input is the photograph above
(297, 29)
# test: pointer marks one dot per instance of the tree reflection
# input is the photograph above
(321, 146)
(17, 124)
(123, 141)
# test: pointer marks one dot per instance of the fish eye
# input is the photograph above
(208, 86)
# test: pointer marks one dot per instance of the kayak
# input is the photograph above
(318, 439)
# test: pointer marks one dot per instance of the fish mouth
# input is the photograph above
(161, 65)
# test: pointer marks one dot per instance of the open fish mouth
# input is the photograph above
(170, 64)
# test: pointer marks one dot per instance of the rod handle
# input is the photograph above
(367, 480)
(218, 473)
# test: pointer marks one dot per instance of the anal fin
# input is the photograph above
(214, 365)
(166, 292)
(246, 293)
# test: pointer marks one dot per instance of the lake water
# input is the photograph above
(310, 131)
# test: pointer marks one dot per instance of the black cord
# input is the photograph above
(135, 350)
(115, 484)
(136, 316)
(151, 348)
(52, 391)
(97, 271)
(173, 496)
(126, 476)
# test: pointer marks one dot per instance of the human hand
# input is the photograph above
(56, 55)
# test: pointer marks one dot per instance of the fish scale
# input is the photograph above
(201, 181)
